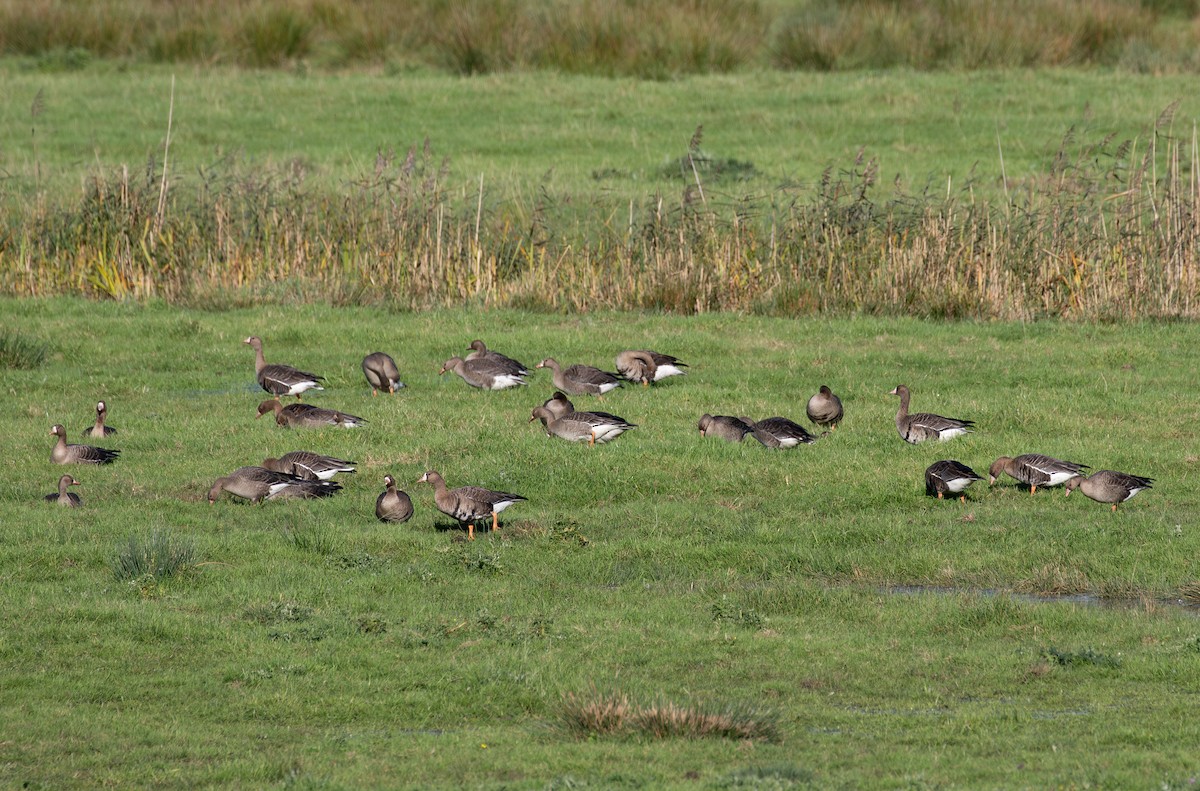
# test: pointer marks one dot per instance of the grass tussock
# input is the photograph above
(614, 714)
(156, 556)
(1108, 233)
(644, 38)
(18, 350)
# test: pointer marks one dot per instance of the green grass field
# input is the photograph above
(309, 646)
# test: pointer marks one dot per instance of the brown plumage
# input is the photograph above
(381, 372)
(825, 409)
(258, 483)
(63, 453)
(99, 430)
(1034, 470)
(308, 465)
(949, 477)
(580, 379)
(924, 426)
(644, 366)
(281, 380)
(62, 496)
(480, 351)
(393, 505)
(1109, 486)
(468, 504)
(726, 427)
(307, 416)
(483, 373)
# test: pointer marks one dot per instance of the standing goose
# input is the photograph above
(646, 366)
(468, 504)
(99, 429)
(380, 370)
(1034, 470)
(825, 409)
(480, 351)
(595, 427)
(949, 476)
(308, 465)
(1109, 486)
(779, 432)
(924, 426)
(78, 454)
(258, 483)
(307, 415)
(393, 505)
(726, 427)
(580, 379)
(482, 373)
(63, 497)
(281, 380)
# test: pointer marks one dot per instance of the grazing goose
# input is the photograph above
(380, 370)
(78, 454)
(258, 483)
(308, 465)
(580, 379)
(307, 415)
(63, 497)
(1108, 486)
(779, 432)
(726, 427)
(825, 409)
(281, 380)
(480, 351)
(484, 374)
(924, 426)
(646, 366)
(393, 505)
(595, 427)
(949, 476)
(468, 504)
(1034, 470)
(100, 430)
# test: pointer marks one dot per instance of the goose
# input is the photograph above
(558, 404)
(78, 454)
(483, 374)
(580, 379)
(307, 415)
(308, 465)
(779, 432)
(726, 427)
(480, 351)
(595, 427)
(380, 370)
(468, 504)
(1034, 470)
(99, 429)
(950, 476)
(646, 366)
(62, 496)
(258, 483)
(924, 426)
(1109, 486)
(281, 380)
(825, 409)
(393, 505)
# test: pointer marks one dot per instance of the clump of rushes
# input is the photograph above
(159, 555)
(598, 713)
(20, 351)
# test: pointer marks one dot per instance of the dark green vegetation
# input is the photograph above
(695, 591)
(644, 38)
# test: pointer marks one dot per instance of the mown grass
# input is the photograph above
(648, 38)
(660, 569)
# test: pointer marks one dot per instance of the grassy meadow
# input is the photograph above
(664, 612)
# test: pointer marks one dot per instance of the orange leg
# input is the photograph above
(939, 495)
(495, 521)
(645, 383)
(470, 531)
(1114, 508)
(1032, 488)
(962, 498)
(592, 439)
(374, 392)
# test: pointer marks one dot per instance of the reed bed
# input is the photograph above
(644, 38)
(1110, 232)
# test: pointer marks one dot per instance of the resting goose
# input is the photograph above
(595, 427)
(393, 505)
(258, 483)
(726, 427)
(281, 380)
(480, 351)
(1034, 470)
(62, 496)
(468, 504)
(825, 409)
(779, 432)
(558, 404)
(646, 366)
(381, 372)
(308, 465)
(63, 453)
(483, 373)
(580, 379)
(949, 476)
(924, 426)
(307, 416)
(99, 429)
(1109, 486)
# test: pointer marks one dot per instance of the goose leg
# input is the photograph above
(470, 531)
(374, 392)
(1032, 488)
(592, 439)
(495, 521)
(962, 499)
(939, 495)
(1114, 508)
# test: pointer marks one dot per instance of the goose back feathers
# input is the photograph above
(924, 426)
(949, 477)
(468, 505)
(825, 409)
(258, 483)
(580, 379)
(1035, 469)
(63, 453)
(308, 465)
(393, 505)
(99, 430)
(281, 380)
(381, 372)
(1109, 486)
(483, 373)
